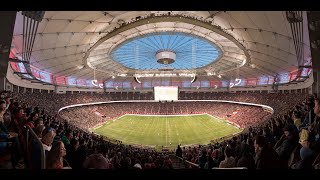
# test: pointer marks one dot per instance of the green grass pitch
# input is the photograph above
(166, 130)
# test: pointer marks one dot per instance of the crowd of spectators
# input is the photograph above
(89, 116)
(287, 139)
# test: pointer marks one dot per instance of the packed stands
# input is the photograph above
(287, 139)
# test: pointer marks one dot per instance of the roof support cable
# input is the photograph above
(31, 20)
(295, 19)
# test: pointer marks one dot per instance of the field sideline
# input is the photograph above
(168, 131)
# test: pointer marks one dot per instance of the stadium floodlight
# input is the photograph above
(253, 66)
(194, 78)
(122, 75)
(94, 82)
(237, 81)
(137, 80)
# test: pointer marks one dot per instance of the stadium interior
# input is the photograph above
(159, 90)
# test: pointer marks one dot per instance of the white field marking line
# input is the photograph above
(132, 142)
(135, 143)
(169, 131)
(167, 115)
(131, 122)
(216, 119)
(167, 124)
(219, 130)
(203, 118)
(166, 131)
(196, 133)
(212, 130)
(143, 127)
(223, 120)
(177, 132)
(150, 125)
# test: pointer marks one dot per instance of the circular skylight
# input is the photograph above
(191, 51)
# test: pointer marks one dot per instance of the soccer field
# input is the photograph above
(166, 130)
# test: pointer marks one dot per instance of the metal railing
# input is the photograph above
(186, 164)
(42, 152)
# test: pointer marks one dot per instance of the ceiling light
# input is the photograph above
(80, 67)
(219, 76)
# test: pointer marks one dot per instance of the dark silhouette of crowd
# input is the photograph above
(287, 139)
